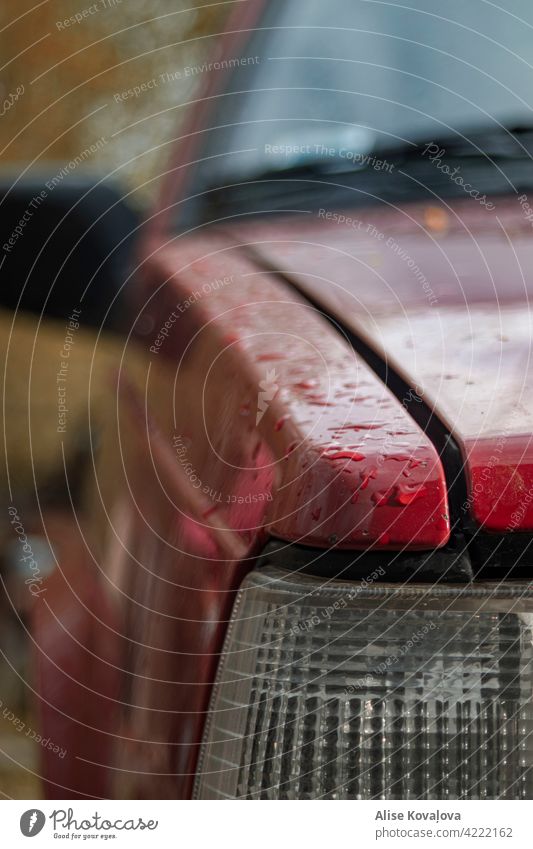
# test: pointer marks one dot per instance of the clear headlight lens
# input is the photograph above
(348, 691)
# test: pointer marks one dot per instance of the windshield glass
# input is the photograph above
(329, 81)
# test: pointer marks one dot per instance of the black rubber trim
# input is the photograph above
(440, 565)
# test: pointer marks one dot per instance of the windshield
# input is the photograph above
(333, 80)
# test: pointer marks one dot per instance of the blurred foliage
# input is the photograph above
(72, 73)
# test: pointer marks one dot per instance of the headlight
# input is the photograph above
(347, 691)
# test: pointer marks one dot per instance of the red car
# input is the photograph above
(318, 580)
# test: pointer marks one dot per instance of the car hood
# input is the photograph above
(442, 294)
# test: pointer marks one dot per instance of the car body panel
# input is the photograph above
(77, 650)
(350, 466)
(249, 399)
(186, 526)
(442, 294)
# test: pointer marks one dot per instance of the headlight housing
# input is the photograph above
(358, 691)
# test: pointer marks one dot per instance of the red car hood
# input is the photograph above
(442, 293)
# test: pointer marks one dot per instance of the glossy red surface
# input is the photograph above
(444, 296)
(344, 449)
(277, 427)
(76, 652)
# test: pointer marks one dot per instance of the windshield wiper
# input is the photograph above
(495, 161)
(491, 144)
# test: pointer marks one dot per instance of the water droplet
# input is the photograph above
(366, 476)
(356, 456)
(360, 427)
(265, 358)
(405, 495)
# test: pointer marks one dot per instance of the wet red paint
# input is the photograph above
(193, 557)
(467, 355)
(407, 495)
(291, 447)
(360, 427)
(77, 656)
(381, 497)
(321, 358)
(346, 455)
(367, 475)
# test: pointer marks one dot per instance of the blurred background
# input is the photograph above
(87, 90)
(76, 77)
